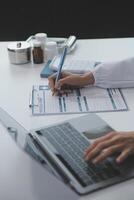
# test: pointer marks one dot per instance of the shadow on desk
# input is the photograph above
(46, 186)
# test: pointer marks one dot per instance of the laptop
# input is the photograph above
(63, 145)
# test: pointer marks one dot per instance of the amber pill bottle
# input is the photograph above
(37, 53)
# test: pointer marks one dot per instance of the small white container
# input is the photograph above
(51, 50)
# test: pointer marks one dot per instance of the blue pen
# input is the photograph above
(58, 76)
(61, 64)
(68, 44)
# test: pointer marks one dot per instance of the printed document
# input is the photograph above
(80, 100)
(74, 65)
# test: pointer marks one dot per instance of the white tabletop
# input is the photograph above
(20, 176)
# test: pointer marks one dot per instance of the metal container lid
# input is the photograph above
(18, 46)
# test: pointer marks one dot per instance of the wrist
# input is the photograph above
(89, 78)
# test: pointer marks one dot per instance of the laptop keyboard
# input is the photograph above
(70, 145)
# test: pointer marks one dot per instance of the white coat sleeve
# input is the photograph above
(118, 74)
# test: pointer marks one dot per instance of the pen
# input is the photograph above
(60, 66)
(68, 44)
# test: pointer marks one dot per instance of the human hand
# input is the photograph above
(70, 80)
(113, 142)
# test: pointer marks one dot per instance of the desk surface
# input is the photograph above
(20, 176)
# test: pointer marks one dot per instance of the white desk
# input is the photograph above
(20, 176)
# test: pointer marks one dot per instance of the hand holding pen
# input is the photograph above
(69, 81)
(68, 44)
(58, 75)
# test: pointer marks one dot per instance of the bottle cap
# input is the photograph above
(51, 45)
(41, 36)
(36, 43)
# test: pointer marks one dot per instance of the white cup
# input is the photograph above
(51, 50)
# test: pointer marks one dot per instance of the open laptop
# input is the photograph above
(63, 145)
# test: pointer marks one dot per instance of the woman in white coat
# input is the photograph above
(119, 74)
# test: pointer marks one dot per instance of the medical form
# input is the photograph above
(80, 100)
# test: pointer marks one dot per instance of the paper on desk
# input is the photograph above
(74, 65)
(84, 100)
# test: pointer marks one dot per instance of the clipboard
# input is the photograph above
(80, 100)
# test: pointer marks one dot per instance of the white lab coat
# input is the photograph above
(118, 74)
